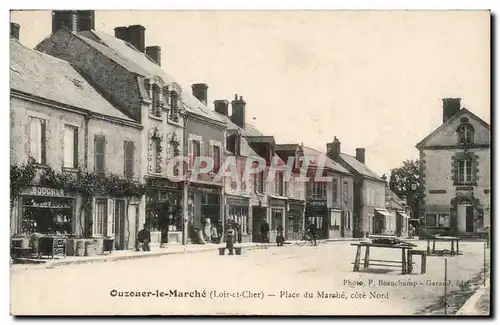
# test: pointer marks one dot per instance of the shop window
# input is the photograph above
(128, 159)
(70, 146)
(295, 222)
(431, 220)
(99, 153)
(444, 221)
(465, 134)
(38, 140)
(240, 215)
(276, 218)
(464, 171)
(46, 215)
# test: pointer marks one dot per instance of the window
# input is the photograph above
(335, 220)
(465, 171)
(99, 153)
(38, 139)
(155, 101)
(258, 183)
(100, 217)
(156, 161)
(174, 152)
(216, 158)
(431, 220)
(174, 106)
(279, 186)
(345, 194)
(465, 134)
(70, 146)
(240, 215)
(317, 190)
(276, 218)
(348, 217)
(128, 159)
(334, 191)
(444, 221)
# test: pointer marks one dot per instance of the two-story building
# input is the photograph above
(455, 173)
(129, 74)
(368, 192)
(61, 121)
(399, 223)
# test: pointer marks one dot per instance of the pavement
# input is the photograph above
(288, 280)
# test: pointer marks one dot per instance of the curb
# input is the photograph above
(469, 307)
(111, 258)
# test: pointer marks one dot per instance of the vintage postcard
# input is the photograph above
(250, 162)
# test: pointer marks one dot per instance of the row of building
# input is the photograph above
(87, 100)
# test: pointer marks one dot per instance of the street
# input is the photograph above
(276, 280)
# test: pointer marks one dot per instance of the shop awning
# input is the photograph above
(404, 215)
(383, 212)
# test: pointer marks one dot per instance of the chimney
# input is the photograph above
(14, 31)
(360, 155)
(137, 37)
(64, 18)
(200, 92)
(154, 52)
(238, 116)
(451, 106)
(221, 106)
(86, 20)
(122, 33)
(333, 149)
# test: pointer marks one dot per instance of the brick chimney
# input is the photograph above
(137, 37)
(360, 155)
(451, 106)
(238, 116)
(221, 106)
(86, 20)
(200, 92)
(333, 149)
(122, 33)
(154, 52)
(14, 31)
(64, 18)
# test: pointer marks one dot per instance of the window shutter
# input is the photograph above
(28, 137)
(190, 153)
(94, 218)
(43, 142)
(99, 150)
(110, 218)
(211, 152)
(75, 148)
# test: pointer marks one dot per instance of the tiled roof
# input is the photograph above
(359, 167)
(246, 150)
(47, 77)
(396, 201)
(328, 163)
(137, 62)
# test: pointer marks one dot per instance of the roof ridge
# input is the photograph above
(40, 53)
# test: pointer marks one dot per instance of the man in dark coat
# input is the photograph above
(264, 229)
(311, 231)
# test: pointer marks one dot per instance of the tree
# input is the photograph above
(405, 181)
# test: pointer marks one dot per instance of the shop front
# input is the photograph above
(204, 205)
(164, 210)
(295, 219)
(237, 209)
(381, 221)
(317, 214)
(47, 214)
(277, 208)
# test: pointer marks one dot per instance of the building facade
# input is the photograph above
(369, 213)
(59, 120)
(455, 174)
(398, 224)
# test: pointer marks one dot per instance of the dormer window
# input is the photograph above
(465, 132)
(174, 106)
(155, 101)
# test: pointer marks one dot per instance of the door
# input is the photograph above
(469, 219)
(399, 225)
(119, 218)
(258, 217)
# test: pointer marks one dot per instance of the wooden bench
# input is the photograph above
(423, 259)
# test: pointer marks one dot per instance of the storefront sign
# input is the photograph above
(465, 188)
(279, 203)
(321, 203)
(44, 191)
(437, 191)
(236, 201)
(163, 184)
(203, 189)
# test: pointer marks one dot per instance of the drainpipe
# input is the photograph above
(185, 196)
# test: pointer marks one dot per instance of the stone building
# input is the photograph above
(368, 192)
(455, 173)
(60, 120)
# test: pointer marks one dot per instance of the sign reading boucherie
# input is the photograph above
(44, 191)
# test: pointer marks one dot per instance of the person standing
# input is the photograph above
(311, 231)
(264, 230)
(280, 238)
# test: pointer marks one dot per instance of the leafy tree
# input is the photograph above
(405, 181)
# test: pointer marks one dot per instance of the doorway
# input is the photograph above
(465, 216)
(258, 217)
(119, 219)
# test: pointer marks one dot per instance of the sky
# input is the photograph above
(373, 79)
